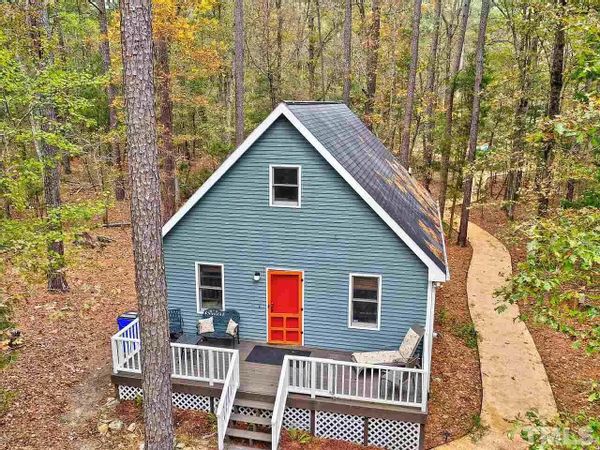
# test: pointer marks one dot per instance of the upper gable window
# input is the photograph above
(285, 186)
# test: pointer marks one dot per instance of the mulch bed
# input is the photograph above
(456, 378)
(569, 370)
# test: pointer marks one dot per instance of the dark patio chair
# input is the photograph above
(175, 323)
(220, 322)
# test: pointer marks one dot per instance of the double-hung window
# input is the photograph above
(209, 283)
(365, 301)
(285, 186)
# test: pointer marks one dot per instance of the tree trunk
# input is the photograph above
(556, 84)
(41, 33)
(431, 97)
(279, 55)
(312, 52)
(238, 70)
(136, 38)
(321, 49)
(449, 104)
(115, 156)
(347, 51)
(474, 130)
(165, 129)
(372, 61)
(405, 141)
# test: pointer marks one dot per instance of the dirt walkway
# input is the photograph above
(513, 376)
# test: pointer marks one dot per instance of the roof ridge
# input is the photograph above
(313, 102)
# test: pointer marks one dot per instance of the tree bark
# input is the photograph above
(449, 104)
(431, 97)
(405, 141)
(138, 76)
(115, 156)
(279, 55)
(312, 52)
(321, 49)
(474, 130)
(41, 33)
(165, 135)
(556, 84)
(372, 61)
(347, 50)
(238, 70)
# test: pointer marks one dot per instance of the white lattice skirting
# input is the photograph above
(385, 433)
(180, 399)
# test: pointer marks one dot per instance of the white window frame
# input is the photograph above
(379, 301)
(285, 166)
(197, 265)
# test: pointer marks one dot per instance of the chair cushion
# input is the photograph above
(206, 326)
(409, 344)
(381, 357)
(231, 327)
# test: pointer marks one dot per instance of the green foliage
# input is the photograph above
(561, 274)
(24, 241)
(565, 432)
(6, 398)
(300, 436)
(468, 333)
(477, 429)
(138, 401)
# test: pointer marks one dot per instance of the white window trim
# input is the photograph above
(379, 301)
(290, 166)
(197, 265)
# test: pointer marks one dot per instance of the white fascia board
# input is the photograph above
(435, 273)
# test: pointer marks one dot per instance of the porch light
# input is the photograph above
(256, 276)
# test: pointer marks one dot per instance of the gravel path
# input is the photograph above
(513, 376)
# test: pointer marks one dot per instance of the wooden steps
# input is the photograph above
(240, 415)
(250, 435)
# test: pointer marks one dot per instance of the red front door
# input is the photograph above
(284, 296)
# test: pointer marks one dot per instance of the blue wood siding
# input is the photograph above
(333, 234)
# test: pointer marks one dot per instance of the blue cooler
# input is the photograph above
(126, 318)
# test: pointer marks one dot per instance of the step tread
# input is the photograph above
(251, 419)
(247, 434)
(253, 404)
(238, 447)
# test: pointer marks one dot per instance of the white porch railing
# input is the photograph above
(400, 386)
(230, 387)
(188, 362)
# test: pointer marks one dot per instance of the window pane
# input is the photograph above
(365, 288)
(285, 175)
(285, 194)
(210, 276)
(211, 298)
(364, 312)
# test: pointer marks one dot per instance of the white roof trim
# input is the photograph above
(435, 272)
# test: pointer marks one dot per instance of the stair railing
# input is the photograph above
(280, 401)
(230, 387)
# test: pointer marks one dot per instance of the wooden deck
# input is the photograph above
(260, 381)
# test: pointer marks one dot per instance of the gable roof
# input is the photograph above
(364, 162)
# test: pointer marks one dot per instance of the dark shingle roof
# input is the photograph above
(359, 151)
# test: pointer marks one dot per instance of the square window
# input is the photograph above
(285, 186)
(365, 298)
(209, 279)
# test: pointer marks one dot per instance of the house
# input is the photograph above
(320, 239)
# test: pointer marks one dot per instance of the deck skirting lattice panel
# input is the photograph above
(393, 434)
(254, 412)
(345, 427)
(181, 400)
(296, 418)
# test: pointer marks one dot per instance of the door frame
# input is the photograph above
(302, 284)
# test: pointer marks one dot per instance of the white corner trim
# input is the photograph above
(352, 326)
(435, 273)
(283, 205)
(197, 265)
